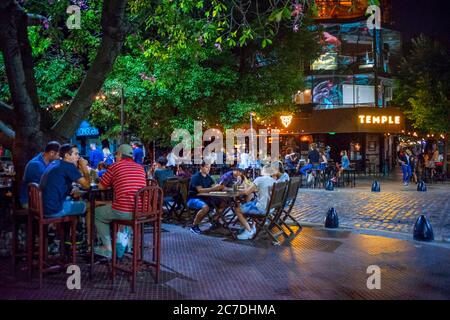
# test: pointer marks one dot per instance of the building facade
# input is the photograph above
(347, 104)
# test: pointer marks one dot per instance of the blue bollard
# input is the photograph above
(421, 186)
(329, 185)
(376, 186)
(423, 230)
(332, 219)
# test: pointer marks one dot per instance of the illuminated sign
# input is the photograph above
(286, 120)
(368, 119)
(85, 130)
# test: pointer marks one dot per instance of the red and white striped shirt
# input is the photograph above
(126, 177)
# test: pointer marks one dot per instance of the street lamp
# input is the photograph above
(122, 115)
(253, 161)
(122, 112)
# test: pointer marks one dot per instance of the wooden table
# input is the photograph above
(230, 196)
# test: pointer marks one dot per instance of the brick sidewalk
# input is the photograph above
(318, 264)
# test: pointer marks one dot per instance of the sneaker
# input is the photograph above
(196, 230)
(247, 235)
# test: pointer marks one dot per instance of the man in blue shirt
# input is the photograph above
(162, 173)
(56, 183)
(202, 182)
(36, 167)
(138, 154)
(95, 156)
(230, 177)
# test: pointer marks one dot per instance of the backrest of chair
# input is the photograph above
(276, 201)
(35, 204)
(184, 188)
(292, 191)
(148, 203)
(152, 183)
(294, 185)
(171, 187)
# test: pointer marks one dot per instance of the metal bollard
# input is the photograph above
(423, 230)
(332, 219)
(376, 186)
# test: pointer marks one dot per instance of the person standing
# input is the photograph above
(35, 169)
(138, 154)
(403, 160)
(108, 158)
(95, 156)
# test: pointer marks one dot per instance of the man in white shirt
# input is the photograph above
(245, 161)
(263, 188)
(171, 161)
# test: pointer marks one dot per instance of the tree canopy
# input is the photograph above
(423, 86)
(184, 60)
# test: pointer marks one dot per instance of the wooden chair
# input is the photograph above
(148, 208)
(172, 195)
(275, 205)
(285, 213)
(36, 213)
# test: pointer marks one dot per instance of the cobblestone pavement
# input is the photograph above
(394, 209)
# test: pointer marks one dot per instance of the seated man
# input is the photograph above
(201, 182)
(262, 186)
(162, 173)
(232, 176)
(126, 177)
(56, 183)
(36, 167)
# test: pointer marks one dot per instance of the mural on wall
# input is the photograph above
(350, 46)
(327, 95)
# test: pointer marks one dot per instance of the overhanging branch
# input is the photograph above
(114, 32)
(35, 19)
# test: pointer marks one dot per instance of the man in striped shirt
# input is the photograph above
(125, 177)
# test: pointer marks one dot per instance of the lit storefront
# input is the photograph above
(368, 134)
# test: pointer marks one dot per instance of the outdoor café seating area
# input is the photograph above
(41, 246)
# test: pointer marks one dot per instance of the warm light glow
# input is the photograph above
(286, 120)
(369, 119)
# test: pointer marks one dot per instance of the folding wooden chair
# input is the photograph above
(275, 205)
(281, 221)
(172, 195)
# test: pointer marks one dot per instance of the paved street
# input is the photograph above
(394, 209)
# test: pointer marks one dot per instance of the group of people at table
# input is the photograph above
(59, 169)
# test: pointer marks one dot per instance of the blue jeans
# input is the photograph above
(70, 208)
(406, 173)
(306, 168)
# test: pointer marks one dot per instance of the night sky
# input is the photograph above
(431, 17)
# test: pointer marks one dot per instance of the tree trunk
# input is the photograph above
(28, 137)
(30, 125)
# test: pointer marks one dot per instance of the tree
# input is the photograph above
(167, 26)
(423, 86)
